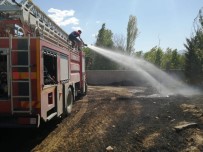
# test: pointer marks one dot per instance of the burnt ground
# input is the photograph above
(124, 119)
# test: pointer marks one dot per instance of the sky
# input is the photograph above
(164, 23)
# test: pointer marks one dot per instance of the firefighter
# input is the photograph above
(74, 37)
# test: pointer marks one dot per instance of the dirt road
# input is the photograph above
(119, 119)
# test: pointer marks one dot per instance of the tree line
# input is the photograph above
(190, 60)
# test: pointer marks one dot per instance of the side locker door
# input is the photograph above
(59, 90)
(64, 77)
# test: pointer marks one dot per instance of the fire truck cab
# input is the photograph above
(40, 74)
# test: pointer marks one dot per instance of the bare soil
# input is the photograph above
(120, 119)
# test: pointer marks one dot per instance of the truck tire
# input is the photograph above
(68, 102)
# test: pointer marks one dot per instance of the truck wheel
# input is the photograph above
(69, 102)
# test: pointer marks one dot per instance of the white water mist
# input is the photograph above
(158, 79)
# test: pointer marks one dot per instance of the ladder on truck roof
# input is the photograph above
(31, 15)
(21, 91)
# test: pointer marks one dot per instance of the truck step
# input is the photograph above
(51, 116)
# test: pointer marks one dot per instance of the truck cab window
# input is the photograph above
(50, 67)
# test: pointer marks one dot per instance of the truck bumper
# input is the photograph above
(19, 121)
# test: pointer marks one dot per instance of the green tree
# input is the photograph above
(132, 32)
(104, 39)
(194, 53)
(150, 55)
(171, 59)
(193, 62)
(175, 60)
(158, 57)
(166, 59)
(154, 56)
(88, 58)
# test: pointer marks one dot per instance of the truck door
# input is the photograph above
(64, 77)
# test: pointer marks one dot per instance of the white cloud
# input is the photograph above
(71, 20)
(63, 17)
(98, 22)
(61, 13)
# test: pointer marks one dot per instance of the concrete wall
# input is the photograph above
(121, 77)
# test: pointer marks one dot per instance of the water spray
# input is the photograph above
(158, 79)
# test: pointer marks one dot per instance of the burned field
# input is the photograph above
(118, 119)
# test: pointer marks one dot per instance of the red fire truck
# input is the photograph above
(40, 74)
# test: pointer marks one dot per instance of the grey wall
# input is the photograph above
(121, 77)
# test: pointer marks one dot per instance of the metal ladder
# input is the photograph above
(30, 14)
(19, 98)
